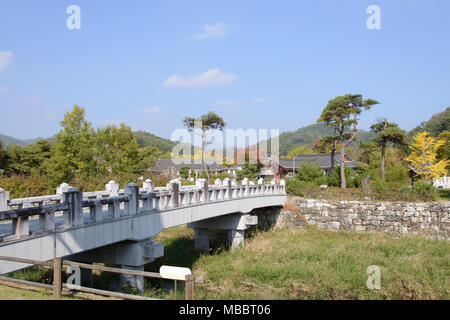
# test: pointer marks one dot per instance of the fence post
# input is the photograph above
(132, 190)
(73, 217)
(189, 287)
(4, 197)
(57, 281)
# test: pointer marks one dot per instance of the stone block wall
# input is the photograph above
(278, 218)
(399, 218)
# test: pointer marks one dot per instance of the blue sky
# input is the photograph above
(258, 64)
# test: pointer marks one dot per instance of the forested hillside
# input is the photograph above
(310, 134)
(438, 123)
(145, 139)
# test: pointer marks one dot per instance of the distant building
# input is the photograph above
(285, 168)
(170, 169)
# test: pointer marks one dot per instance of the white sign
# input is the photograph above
(174, 273)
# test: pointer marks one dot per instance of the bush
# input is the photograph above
(352, 177)
(309, 172)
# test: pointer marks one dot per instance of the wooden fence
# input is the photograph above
(58, 285)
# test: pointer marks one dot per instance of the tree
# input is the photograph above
(387, 132)
(341, 113)
(309, 171)
(2, 156)
(443, 152)
(115, 150)
(73, 154)
(28, 159)
(206, 122)
(299, 150)
(326, 145)
(423, 157)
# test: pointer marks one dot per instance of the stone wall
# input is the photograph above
(398, 218)
(430, 219)
(278, 218)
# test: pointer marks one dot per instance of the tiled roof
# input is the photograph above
(164, 164)
(323, 159)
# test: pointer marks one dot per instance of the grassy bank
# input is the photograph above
(289, 264)
(317, 264)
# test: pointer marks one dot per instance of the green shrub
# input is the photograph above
(309, 172)
(353, 178)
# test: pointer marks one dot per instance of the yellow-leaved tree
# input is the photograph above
(423, 157)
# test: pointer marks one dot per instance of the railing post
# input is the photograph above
(175, 195)
(21, 227)
(283, 186)
(4, 197)
(114, 210)
(189, 287)
(205, 191)
(64, 187)
(132, 206)
(73, 216)
(57, 281)
(148, 185)
(113, 188)
(245, 187)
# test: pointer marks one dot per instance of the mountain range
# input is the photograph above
(287, 140)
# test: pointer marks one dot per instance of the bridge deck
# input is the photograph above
(135, 216)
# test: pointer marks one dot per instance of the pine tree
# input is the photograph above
(387, 132)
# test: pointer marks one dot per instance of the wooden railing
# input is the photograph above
(58, 285)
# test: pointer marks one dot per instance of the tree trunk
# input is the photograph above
(383, 157)
(333, 150)
(343, 180)
(203, 156)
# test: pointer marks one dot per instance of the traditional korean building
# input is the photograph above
(285, 168)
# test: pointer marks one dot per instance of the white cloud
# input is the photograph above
(151, 110)
(5, 59)
(218, 30)
(227, 104)
(211, 77)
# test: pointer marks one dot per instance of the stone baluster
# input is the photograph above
(114, 210)
(245, 187)
(113, 188)
(132, 206)
(148, 186)
(47, 220)
(219, 195)
(205, 193)
(174, 196)
(64, 187)
(73, 216)
(235, 192)
(283, 186)
(252, 188)
(96, 213)
(273, 185)
(147, 204)
(4, 198)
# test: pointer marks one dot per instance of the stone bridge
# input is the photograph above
(114, 226)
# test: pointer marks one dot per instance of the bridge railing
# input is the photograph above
(78, 208)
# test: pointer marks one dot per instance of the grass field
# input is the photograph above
(289, 264)
(317, 264)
